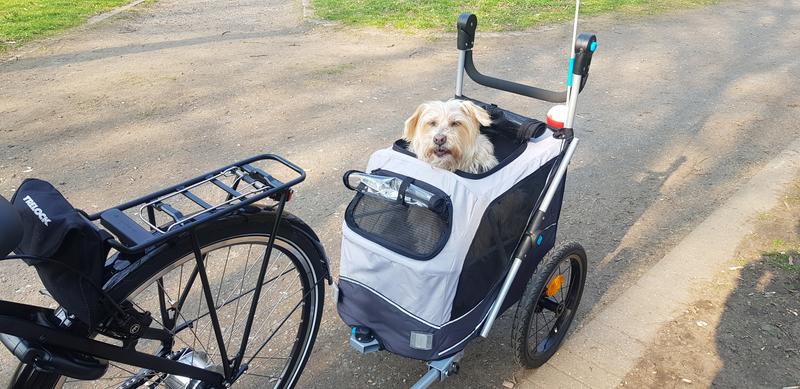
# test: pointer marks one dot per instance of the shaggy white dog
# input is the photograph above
(447, 135)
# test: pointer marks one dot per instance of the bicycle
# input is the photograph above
(185, 301)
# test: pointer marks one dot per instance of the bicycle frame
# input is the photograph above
(25, 321)
(20, 320)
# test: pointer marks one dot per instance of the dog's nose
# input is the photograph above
(439, 139)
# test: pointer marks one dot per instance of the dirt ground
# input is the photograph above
(744, 331)
(679, 111)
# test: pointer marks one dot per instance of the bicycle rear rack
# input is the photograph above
(161, 217)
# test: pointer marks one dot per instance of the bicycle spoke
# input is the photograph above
(162, 304)
(120, 379)
(536, 331)
(545, 327)
(241, 288)
(275, 307)
(280, 325)
(224, 269)
(270, 357)
(179, 314)
(552, 318)
(191, 326)
(190, 323)
(229, 300)
(122, 368)
(219, 289)
(263, 376)
(267, 292)
(180, 280)
(156, 320)
(185, 293)
(568, 277)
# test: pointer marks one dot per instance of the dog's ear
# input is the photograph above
(480, 114)
(411, 123)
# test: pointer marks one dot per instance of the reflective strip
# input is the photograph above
(401, 309)
(421, 340)
(571, 69)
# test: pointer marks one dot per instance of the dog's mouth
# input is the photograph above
(441, 151)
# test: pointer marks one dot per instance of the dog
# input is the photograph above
(446, 134)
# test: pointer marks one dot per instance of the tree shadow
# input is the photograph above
(758, 336)
(638, 184)
(43, 62)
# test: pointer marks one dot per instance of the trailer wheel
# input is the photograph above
(547, 307)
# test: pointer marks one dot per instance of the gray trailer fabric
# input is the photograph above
(393, 294)
(396, 330)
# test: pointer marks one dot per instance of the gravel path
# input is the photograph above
(680, 110)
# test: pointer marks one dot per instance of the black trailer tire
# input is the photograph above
(529, 351)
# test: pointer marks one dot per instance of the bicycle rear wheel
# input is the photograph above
(285, 322)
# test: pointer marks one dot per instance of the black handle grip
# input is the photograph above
(466, 26)
(585, 46)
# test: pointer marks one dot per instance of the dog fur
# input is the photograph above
(447, 135)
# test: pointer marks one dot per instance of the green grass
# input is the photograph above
(781, 260)
(334, 70)
(778, 244)
(25, 20)
(493, 15)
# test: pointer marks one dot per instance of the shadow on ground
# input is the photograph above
(758, 336)
(672, 120)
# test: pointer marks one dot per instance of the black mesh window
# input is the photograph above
(410, 230)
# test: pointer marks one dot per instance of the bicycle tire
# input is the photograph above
(529, 352)
(293, 239)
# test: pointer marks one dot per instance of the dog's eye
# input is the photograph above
(455, 124)
(432, 123)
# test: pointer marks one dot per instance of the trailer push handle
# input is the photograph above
(585, 46)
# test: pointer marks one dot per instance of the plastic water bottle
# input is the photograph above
(389, 187)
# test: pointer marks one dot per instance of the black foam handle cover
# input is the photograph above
(509, 86)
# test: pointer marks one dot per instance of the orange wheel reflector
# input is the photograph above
(554, 285)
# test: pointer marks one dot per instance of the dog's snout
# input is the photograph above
(439, 139)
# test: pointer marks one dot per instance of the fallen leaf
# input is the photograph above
(508, 384)
(701, 323)
(686, 380)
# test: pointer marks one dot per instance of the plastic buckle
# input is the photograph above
(563, 133)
